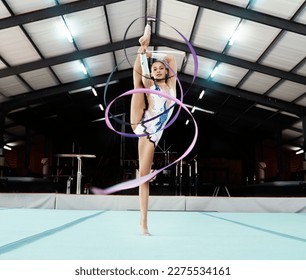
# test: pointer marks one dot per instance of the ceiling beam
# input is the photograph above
(253, 66)
(36, 96)
(156, 40)
(257, 98)
(249, 14)
(58, 10)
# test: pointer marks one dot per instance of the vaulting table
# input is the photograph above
(79, 172)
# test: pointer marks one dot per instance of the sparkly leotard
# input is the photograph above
(154, 127)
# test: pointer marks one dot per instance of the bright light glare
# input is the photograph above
(83, 68)
(213, 73)
(202, 94)
(94, 91)
(67, 33)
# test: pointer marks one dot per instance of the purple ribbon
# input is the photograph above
(141, 180)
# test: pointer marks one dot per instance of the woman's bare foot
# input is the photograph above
(145, 231)
(145, 39)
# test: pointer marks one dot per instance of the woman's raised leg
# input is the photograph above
(138, 104)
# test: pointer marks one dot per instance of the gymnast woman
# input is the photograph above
(146, 106)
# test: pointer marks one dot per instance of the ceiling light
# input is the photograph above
(79, 90)
(6, 147)
(213, 73)
(266, 108)
(199, 109)
(234, 36)
(299, 152)
(202, 94)
(67, 33)
(83, 68)
(94, 91)
(187, 122)
(109, 83)
(101, 107)
(13, 144)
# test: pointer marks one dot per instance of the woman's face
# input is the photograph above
(158, 70)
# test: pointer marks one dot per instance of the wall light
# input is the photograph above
(202, 94)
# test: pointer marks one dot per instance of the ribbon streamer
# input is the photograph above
(141, 180)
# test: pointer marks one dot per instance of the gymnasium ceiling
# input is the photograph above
(259, 85)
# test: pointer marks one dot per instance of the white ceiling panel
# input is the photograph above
(39, 79)
(3, 11)
(301, 18)
(302, 101)
(179, 56)
(280, 8)
(21, 7)
(289, 51)
(258, 82)
(2, 65)
(69, 72)
(252, 40)
(205, 67)
(213, 30)
(49, 37)
(15, 48)
(290, 134)
(88, 28)
(126, 61)
(288, 91)
(301, 70)
(12, 85)
(128, 13)
(298, 125)
(173, 13)
(189, 66)
(100, 64)
(229, 74)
